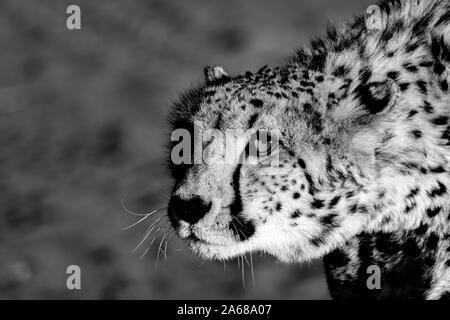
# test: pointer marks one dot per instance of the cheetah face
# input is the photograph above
(288, 198)
(225, 207)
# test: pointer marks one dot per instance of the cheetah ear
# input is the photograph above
(215, 73)
(374, 19)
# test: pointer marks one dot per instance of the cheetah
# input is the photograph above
(359, 125)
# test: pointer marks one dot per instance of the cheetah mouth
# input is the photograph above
(237, 231)
(217, 250)
(208, 231)
(211, 244)
(204, 236)
(216, 237)
(196, 240)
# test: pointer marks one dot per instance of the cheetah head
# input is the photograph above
(325, 162)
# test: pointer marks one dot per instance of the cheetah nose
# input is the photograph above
(191, 210)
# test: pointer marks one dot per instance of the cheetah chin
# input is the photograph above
(341, 154)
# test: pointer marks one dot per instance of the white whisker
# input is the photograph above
(138, 214)
(139, 221)
(243, 274)
(159, 249)
(165, 251)
(252, 269)
(245, 257)
(201, 264)
(149, 231)
(145, 252)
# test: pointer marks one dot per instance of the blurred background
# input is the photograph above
(82, 126)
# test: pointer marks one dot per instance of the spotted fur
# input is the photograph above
(362, 118)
